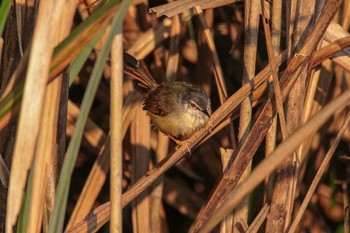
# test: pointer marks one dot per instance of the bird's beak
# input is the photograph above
(208, 111)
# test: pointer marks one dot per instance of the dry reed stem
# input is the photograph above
(313, 90)
(271, 135)
(330, 50)
(294, 107)
(276, 85)
(291, 11)
(309, 103)
(46, 154)
(140, 142)
(319, 175)
(271, 163)
(344, 11)
(33, 97)
(116, 133)
(174, 56)
(252, 11)
(177, 7)
(157, 192)
(227, 225)
(335, 32)
(56, 114)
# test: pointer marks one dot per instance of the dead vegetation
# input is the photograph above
(78, 154)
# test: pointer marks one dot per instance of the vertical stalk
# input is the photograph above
(116, 132)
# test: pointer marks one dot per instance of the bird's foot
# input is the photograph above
(181, 143)
(209, 126)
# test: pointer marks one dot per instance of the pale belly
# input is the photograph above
(182, 125)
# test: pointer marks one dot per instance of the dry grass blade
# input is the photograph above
(46, 156)
(177, 7)
(116, 133)
(319, 174)
(34, 91)
(272, 162)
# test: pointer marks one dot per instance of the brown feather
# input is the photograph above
(137, 70)
(158, 103)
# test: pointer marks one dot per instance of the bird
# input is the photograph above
(178, 109)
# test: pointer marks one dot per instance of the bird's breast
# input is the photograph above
(180, 126)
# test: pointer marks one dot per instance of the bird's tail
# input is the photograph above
(137, 70)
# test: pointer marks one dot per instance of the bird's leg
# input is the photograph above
(209, 126)
(180, 143)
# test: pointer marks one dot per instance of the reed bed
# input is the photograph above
(78, 153)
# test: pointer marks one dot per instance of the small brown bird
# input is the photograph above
(178, 109)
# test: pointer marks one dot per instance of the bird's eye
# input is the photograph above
(193, 105)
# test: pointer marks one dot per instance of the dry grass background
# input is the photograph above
(79, 155)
